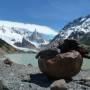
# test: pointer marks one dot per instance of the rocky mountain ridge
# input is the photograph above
(6, 48)
(78, 29)
(75, 29)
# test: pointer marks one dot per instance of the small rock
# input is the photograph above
(30, 65)
(8, 62)
(59, 85)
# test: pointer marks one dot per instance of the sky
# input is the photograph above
(52, 13)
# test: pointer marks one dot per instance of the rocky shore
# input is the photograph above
(26, 77)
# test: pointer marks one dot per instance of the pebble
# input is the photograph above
(59, 85)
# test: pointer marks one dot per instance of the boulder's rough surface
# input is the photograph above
(63, 65)
(48, 53)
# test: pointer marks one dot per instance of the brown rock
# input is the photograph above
(62, 66)
(48, 53)
(8, 62)
(72, 44)
(68, 44)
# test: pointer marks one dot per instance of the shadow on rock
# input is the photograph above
(40, 79)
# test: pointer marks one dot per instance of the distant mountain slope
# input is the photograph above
(6, 47)
(78, 29)
(75, 29)
(25, 44)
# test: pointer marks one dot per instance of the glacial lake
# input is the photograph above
(25, 58)
(29, 58)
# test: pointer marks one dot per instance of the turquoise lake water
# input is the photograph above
(28, 58)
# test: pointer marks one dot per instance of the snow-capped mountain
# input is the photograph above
(75, 29)
(20, 34)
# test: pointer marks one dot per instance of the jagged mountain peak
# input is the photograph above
(38, 38)
(35, 35)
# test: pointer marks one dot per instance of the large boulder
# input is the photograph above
(63, 65)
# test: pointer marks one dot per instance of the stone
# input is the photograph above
(8, 62)
(62, 66)
(59, 85)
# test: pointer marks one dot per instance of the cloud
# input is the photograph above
(31, 27)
